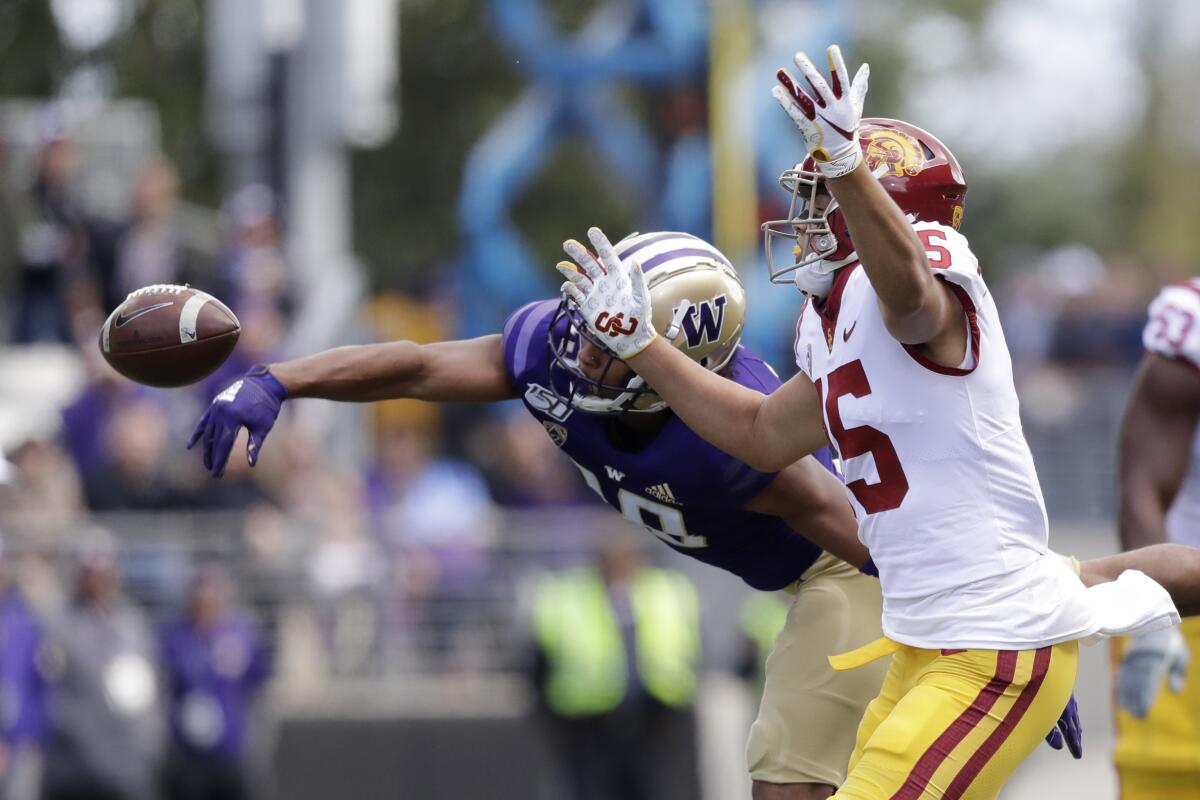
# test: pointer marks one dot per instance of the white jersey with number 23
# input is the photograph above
(1173, 332)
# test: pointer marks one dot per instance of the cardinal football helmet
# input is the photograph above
(678, 267)
(917, 170)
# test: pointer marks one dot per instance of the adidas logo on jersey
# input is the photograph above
(662, 492)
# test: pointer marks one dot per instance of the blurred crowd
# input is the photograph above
(130, 670)
(99, 701)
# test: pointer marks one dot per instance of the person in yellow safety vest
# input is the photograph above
(618, 647)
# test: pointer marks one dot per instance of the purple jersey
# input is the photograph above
(213, 677)
(22, 686)
(682, 489)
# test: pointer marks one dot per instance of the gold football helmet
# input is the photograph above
(679, 268)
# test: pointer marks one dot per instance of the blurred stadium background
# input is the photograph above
(373, 169)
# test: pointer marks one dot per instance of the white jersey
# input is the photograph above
(938, 469)
(1174, 332)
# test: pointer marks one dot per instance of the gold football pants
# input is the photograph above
(955, 723)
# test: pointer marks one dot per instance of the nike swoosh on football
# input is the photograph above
(122, 319)
(836, 127)
(846, 332)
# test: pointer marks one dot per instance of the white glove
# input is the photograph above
(828, 117)
(612, 296)
(1150, 658)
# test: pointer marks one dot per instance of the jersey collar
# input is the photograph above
(828, 308)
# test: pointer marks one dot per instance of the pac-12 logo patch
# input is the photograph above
(558, 434)
(703, 321)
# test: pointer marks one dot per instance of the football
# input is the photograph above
(167, 335)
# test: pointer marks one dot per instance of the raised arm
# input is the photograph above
(916, 307)
(463, 371)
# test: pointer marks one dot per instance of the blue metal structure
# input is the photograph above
(571, 95)
(573, 78)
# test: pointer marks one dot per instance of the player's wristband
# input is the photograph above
(263, 373)
(843, 162)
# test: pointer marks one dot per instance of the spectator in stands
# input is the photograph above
(616, 657)
(435, 514)
(107, 727)
(216, 662)
(9, 230)
(1102, 327)
(251, 268)
(525, 467)
(43, 484)
(87, 418)
(150, 248)
(526, 472)
(51, 248)
(137, 474)
(266, 575)
(22, 690)
(344, 572)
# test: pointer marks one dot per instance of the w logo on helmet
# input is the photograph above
(703, 322)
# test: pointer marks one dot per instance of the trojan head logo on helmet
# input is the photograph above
(918, 171)
(679, 268)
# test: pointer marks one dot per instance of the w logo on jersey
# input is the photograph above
(703, 321)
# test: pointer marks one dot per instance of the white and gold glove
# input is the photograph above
(611, 295)
(1152, 660)
(827, 117)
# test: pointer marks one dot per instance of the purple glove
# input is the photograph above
(1071, 730)
(252, 402)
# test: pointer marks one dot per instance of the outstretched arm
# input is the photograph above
(1175, 566)
(916, 307)
(768, 432)
(460, 371)
(466, 371)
